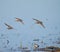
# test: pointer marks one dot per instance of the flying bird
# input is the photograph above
(19, 20)
(39, 22)
(9, 27)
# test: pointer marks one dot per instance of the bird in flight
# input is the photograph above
(9, 27)
(39, 22)
(19, 20)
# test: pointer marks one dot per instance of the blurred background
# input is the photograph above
(47, 11)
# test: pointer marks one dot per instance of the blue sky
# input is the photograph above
(26, 10)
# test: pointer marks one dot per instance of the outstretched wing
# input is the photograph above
(39, 22)
(35, 19)
(9, 27)
(42, 25)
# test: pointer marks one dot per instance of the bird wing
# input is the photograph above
(7, 25)
(35, 19)
(42, 25)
